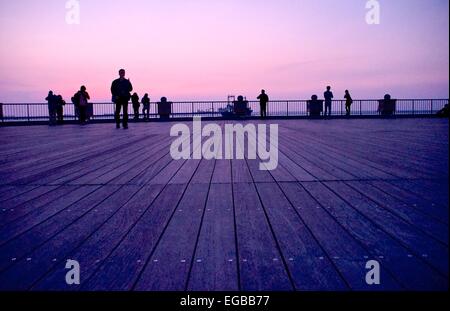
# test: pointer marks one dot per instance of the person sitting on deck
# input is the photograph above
(240, 107)
(164, 108)
(146, 104)
(136, 105)
(315, 106)
(52, 103)
(444, 112)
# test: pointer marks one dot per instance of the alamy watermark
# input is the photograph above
(373, 275)
(73, 275)
(233, 147)
(373, 14)
(73, 12)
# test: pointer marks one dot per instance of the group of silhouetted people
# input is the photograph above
(56, 105)
(328, 95)
(121, 89)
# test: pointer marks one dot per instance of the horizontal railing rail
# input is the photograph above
(31, 112)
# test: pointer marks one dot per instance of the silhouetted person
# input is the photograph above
(387, 106)
(146, 106)
(52, 104)
(444, 112)
(60, 103)
(348, 102)
(120, 90)
(136, 105)
(81, 99)
(164, 108)
(315, 106)
(263, 100)
(328, 95)
(240, 107)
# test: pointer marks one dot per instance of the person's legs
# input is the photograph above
(125, 114)
(263, 110)
(82, 115)
(59, 113)
(328, 109)
(52, 116)
(117, 113)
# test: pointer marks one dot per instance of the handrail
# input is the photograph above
(30, 112)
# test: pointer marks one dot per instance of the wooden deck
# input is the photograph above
(345, 192)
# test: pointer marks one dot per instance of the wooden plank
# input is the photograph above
(19, 209)
(9, 192)
(355, 167)
(168, 267)
(409, 198)
(309, 266)
(25, 243)
(260, 265)
(100, 244)
(25, 273)
(36, 216)
(347, 254)
(91, 165)
(16, 206)
(434, 192)
(432, 251)
(222, 172)
(122, 267)
(410, 270)
(408, 212)
(218, 270)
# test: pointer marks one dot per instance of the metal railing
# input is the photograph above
(31, 112)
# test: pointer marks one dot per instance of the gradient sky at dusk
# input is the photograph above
(207, 49)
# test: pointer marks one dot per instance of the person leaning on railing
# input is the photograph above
(52, 103)
(80, 100)
(146, 104)
(348, 102)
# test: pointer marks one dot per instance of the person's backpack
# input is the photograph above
(76, 99)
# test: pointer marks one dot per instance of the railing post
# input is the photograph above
(360, 107)
(212, 109)
(342, 112)
(192, 109)
(287, 108)
(413, 107)
(28, 113)
(431, 106)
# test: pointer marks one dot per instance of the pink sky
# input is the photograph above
(207, 49)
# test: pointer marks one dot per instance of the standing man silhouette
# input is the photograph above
(120, 90)
(263, 100)
(328, 98)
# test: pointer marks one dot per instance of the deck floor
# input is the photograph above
(345, 192)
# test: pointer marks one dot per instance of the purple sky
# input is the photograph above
(207, 49)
